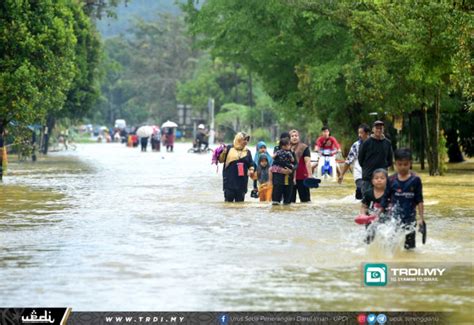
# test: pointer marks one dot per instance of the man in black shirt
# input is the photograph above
(374, 153)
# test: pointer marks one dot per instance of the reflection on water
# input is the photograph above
(111, 228)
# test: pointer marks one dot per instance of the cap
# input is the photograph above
(378, 122)
(201, 126)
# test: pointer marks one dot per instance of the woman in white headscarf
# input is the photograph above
(238, 166)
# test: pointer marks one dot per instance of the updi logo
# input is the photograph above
(375, 274)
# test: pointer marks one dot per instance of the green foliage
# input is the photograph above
(211, 79)
(261, 134)
(300, 55)
(339, 61)
(413, 56)
(407, 52)
(37, 58)
(97, 8)
(84, 90)
(146, 68)
(458, 119)
(235, 117)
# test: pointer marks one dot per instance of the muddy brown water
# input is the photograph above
(110, 228)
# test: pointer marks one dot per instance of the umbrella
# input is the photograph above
(169, 124)
(145, 131)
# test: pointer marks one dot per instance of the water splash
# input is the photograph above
(388, 238)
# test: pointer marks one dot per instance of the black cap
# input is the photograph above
(378, 122)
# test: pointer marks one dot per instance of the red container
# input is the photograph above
(240, 169)
(363, 219)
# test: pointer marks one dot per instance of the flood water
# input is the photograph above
(110, 228)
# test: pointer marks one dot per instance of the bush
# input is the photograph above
(261, 134)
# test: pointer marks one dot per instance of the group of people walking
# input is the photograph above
(280, 176)
(157, 138)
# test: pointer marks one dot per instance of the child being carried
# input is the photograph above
(284, 161)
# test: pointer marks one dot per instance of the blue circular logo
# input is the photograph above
(371, 319)
(381, 319)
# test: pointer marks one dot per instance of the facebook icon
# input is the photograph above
(223, 319)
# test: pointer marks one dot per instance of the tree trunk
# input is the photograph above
(250, 89)
(50, 122)
(34, 145)
(111, 109)
(436, 168)
(410, 131)
(454, 151)
(355, 110)
(236, 84)
(2, 143)
(426, 136)
(422, 138)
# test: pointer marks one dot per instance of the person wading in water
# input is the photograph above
(238, 166)
(303, 170)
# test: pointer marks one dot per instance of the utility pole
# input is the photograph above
(212, 132)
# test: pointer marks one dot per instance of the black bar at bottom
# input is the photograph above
(263, 318)
(62, 316)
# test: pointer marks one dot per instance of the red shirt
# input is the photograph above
(327, 143)
(302, 171)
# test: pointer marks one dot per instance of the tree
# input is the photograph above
(84, 89)
(211, 78)
(96, 8)
(153, 60)
(250, 33)
(457, 121)
(328, 59)
(300, 54)
(37, 59)
(418, 48)
(236, 117)
(161, 57)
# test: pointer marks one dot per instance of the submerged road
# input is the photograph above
(110, 228)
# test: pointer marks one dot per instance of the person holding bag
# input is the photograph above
(238, 166)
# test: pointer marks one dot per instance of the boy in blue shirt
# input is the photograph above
(406, 194)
